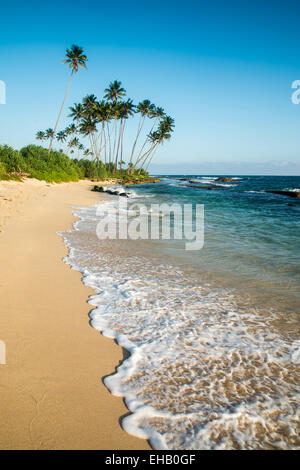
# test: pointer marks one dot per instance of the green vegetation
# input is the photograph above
(37, 162)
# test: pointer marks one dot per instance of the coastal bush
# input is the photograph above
(12, 160)
(49, 166)
(91, 169)
(3, 171)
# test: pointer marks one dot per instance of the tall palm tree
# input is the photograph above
(113, 93)
(127, 110)
(75, 58)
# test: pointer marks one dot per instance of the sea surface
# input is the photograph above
(211, 337)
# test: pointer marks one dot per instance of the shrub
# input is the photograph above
(12, 159)
(51, 167)
(2, 171)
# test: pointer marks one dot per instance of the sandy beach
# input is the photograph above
(51, 390)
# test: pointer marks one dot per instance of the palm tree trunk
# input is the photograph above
(104, 142)
(138, 158)
(92, 145)
(122, 138)
(150, 160)
(62, 106)
(109, 139)
(143, 157)
(119, 140)
(101, 137)
(136, 139)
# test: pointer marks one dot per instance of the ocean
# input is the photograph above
(211, 337)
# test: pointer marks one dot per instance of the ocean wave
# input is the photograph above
(205, 371)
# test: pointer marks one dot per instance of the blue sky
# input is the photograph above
(222, 69)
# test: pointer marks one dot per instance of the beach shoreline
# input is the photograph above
(51, 390)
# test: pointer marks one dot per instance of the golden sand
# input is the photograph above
(51, 390)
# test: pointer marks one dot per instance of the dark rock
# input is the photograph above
(225, 180)
(114, 192)
(98, 189)
(295, 194)
(203, 187)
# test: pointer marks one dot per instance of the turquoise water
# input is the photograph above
(214, 334)
(251, 237)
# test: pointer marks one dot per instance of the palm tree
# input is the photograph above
(127, 110)
(87, 127)
(86, 153)
(71, 129)
(77, 112)
(73, 143)
(80, 148)
(89, 103)
(40, 135)
(114, 91)
(49, 133)
(75, 59)
(61, 136)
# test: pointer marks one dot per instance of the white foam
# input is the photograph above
(203, 372)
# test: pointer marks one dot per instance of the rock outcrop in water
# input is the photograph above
(223, 179)
(113, 191)
(204, 187)
(295, 194)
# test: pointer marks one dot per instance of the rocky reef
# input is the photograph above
(295, 194)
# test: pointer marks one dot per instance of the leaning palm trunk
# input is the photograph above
(144, 145)
(141, 123)
(143, 157)
(150, 160)
(62, 106)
